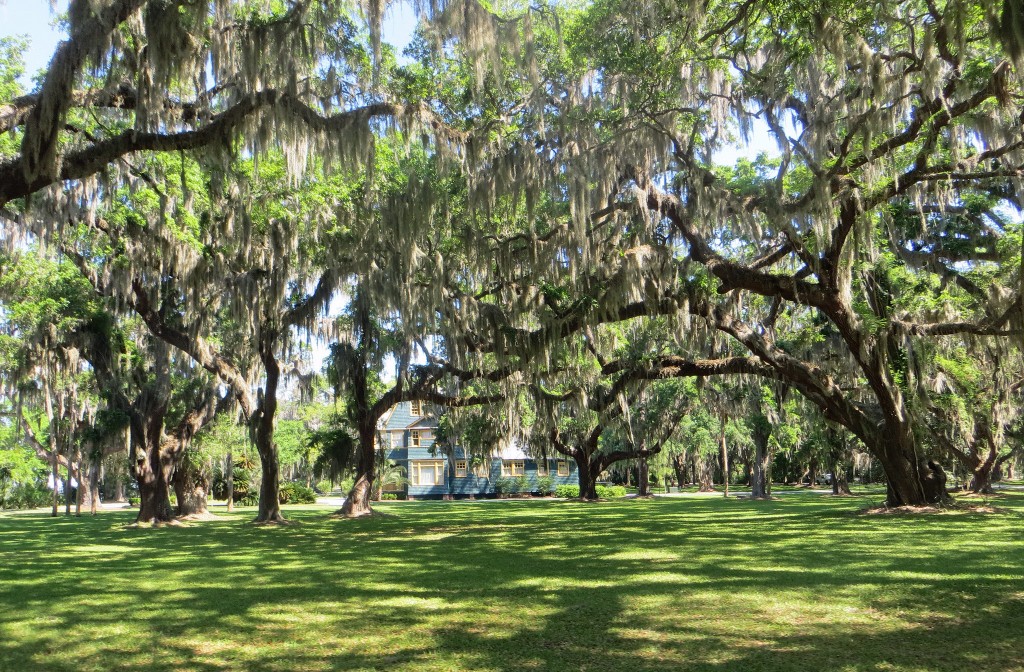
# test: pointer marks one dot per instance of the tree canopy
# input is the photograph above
(547, 199)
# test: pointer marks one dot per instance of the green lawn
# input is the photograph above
(691, 583)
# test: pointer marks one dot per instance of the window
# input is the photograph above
(417, 408)
(414, 438)
(542, 467)
(482, 469)
(428, 472)
(512, 468)
(563, 468)
(460, 468)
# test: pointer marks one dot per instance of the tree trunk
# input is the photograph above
(190, 488)
(908, 484)
(357, 502)
(812, 470)
(270, 505)
(55, 474)
(119, 490)
(705, 476)
(840, 485)
(231, 482)
(154, 493)
(725, 457)
(84, 490)
(67, 488)
(759, 470)
(149, 471)
(94, 482)
(679, 468)
(154, 501)
(985, 455)
(584, 474)
(981, 478)
(643, 479)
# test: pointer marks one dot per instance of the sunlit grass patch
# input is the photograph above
(695, 583)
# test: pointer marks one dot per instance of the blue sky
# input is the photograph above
(34, 19)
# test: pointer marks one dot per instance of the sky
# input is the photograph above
(32, 18)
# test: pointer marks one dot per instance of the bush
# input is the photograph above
(388, 496)
(295, 493)
(250, 499)
(134, 502)
(567, 491)
(545, 485)
(504, 485)
(246, 481)
(607, 491)
(27, 496)
(323, 487)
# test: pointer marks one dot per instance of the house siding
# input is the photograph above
(399, 427)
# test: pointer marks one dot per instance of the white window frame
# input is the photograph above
(418, 466)
(509, 468)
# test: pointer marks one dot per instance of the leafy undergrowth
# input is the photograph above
(694, 583)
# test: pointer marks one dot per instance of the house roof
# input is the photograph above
(401, 418)
(511, 450)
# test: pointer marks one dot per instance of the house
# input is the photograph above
(409, 432)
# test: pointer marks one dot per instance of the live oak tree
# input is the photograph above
(594, 191)
(614, 395)
(872, 106)
(229, 278)
(137, 78)
(52, 395)
(164, 401)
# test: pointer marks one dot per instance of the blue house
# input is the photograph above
(409, 433)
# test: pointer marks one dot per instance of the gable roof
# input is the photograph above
(401, 418)
(426, 422)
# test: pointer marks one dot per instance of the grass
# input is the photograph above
(688, 583)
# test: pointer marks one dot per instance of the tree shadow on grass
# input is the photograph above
(698, 584)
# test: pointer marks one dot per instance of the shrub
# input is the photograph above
(250, 499)
(521, 485)
(607, 491)
(295, 493)
(545, 485)
(387, 496)
(567, 491)
(505, 485)
(27, 496)
(246, 481)
(134, 502)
